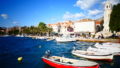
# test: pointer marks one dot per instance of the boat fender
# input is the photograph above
(20, 59)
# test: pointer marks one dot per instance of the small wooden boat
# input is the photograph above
(61, 62)
(93, 55)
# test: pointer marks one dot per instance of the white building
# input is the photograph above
(54, 27)
(80, 26)
(65, 27)
(84, 25)
(107, 12)
(61, 27)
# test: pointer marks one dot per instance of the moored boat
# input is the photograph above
(61, 62)
(110, 48)
(49, 39)
(93, 55)
(65, 38)
(114, 51)
(107, 45)
(61, 39)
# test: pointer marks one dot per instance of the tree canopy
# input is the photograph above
(44, 29)
(115, 18)
(41, 29)
(42, 26)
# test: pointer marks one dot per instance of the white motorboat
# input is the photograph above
(19, 35)
(110, 48)
(113, 44)
(49, 39)
(65, 38)
(107, 45)
(62, 62)
(105, 50)
(93, 55)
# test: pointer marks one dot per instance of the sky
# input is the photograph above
(31, 12)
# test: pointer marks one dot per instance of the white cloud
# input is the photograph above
(85, 4)
(103, 2)
(113, 2)
(4, 16)
(69, 15)
(15, 22)
(94, 12)
(89, 9)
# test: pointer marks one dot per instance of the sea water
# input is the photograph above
(33, 49)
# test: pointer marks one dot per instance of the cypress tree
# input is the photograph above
(115, 18)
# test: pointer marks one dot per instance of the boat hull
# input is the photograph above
(57, 65)
(65, 39)
(113, 51)
(95, 57)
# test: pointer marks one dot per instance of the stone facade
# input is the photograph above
(79, 26)
(62, 27)
(107, 12)
(85, 25)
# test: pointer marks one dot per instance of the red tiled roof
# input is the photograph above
(98, 22)
(84, 20)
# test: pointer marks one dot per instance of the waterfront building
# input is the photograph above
(62, 27)
(76, 27)
(55, 27)
(2, 30)
(99, 25)
(66, 27)
(84, 25)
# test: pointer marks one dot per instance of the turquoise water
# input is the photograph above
(33, 49)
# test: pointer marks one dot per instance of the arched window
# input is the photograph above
(107, 6)
(70, 29)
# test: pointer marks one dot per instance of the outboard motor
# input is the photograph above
(47, 54)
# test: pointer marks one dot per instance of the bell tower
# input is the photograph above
(107, 12)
